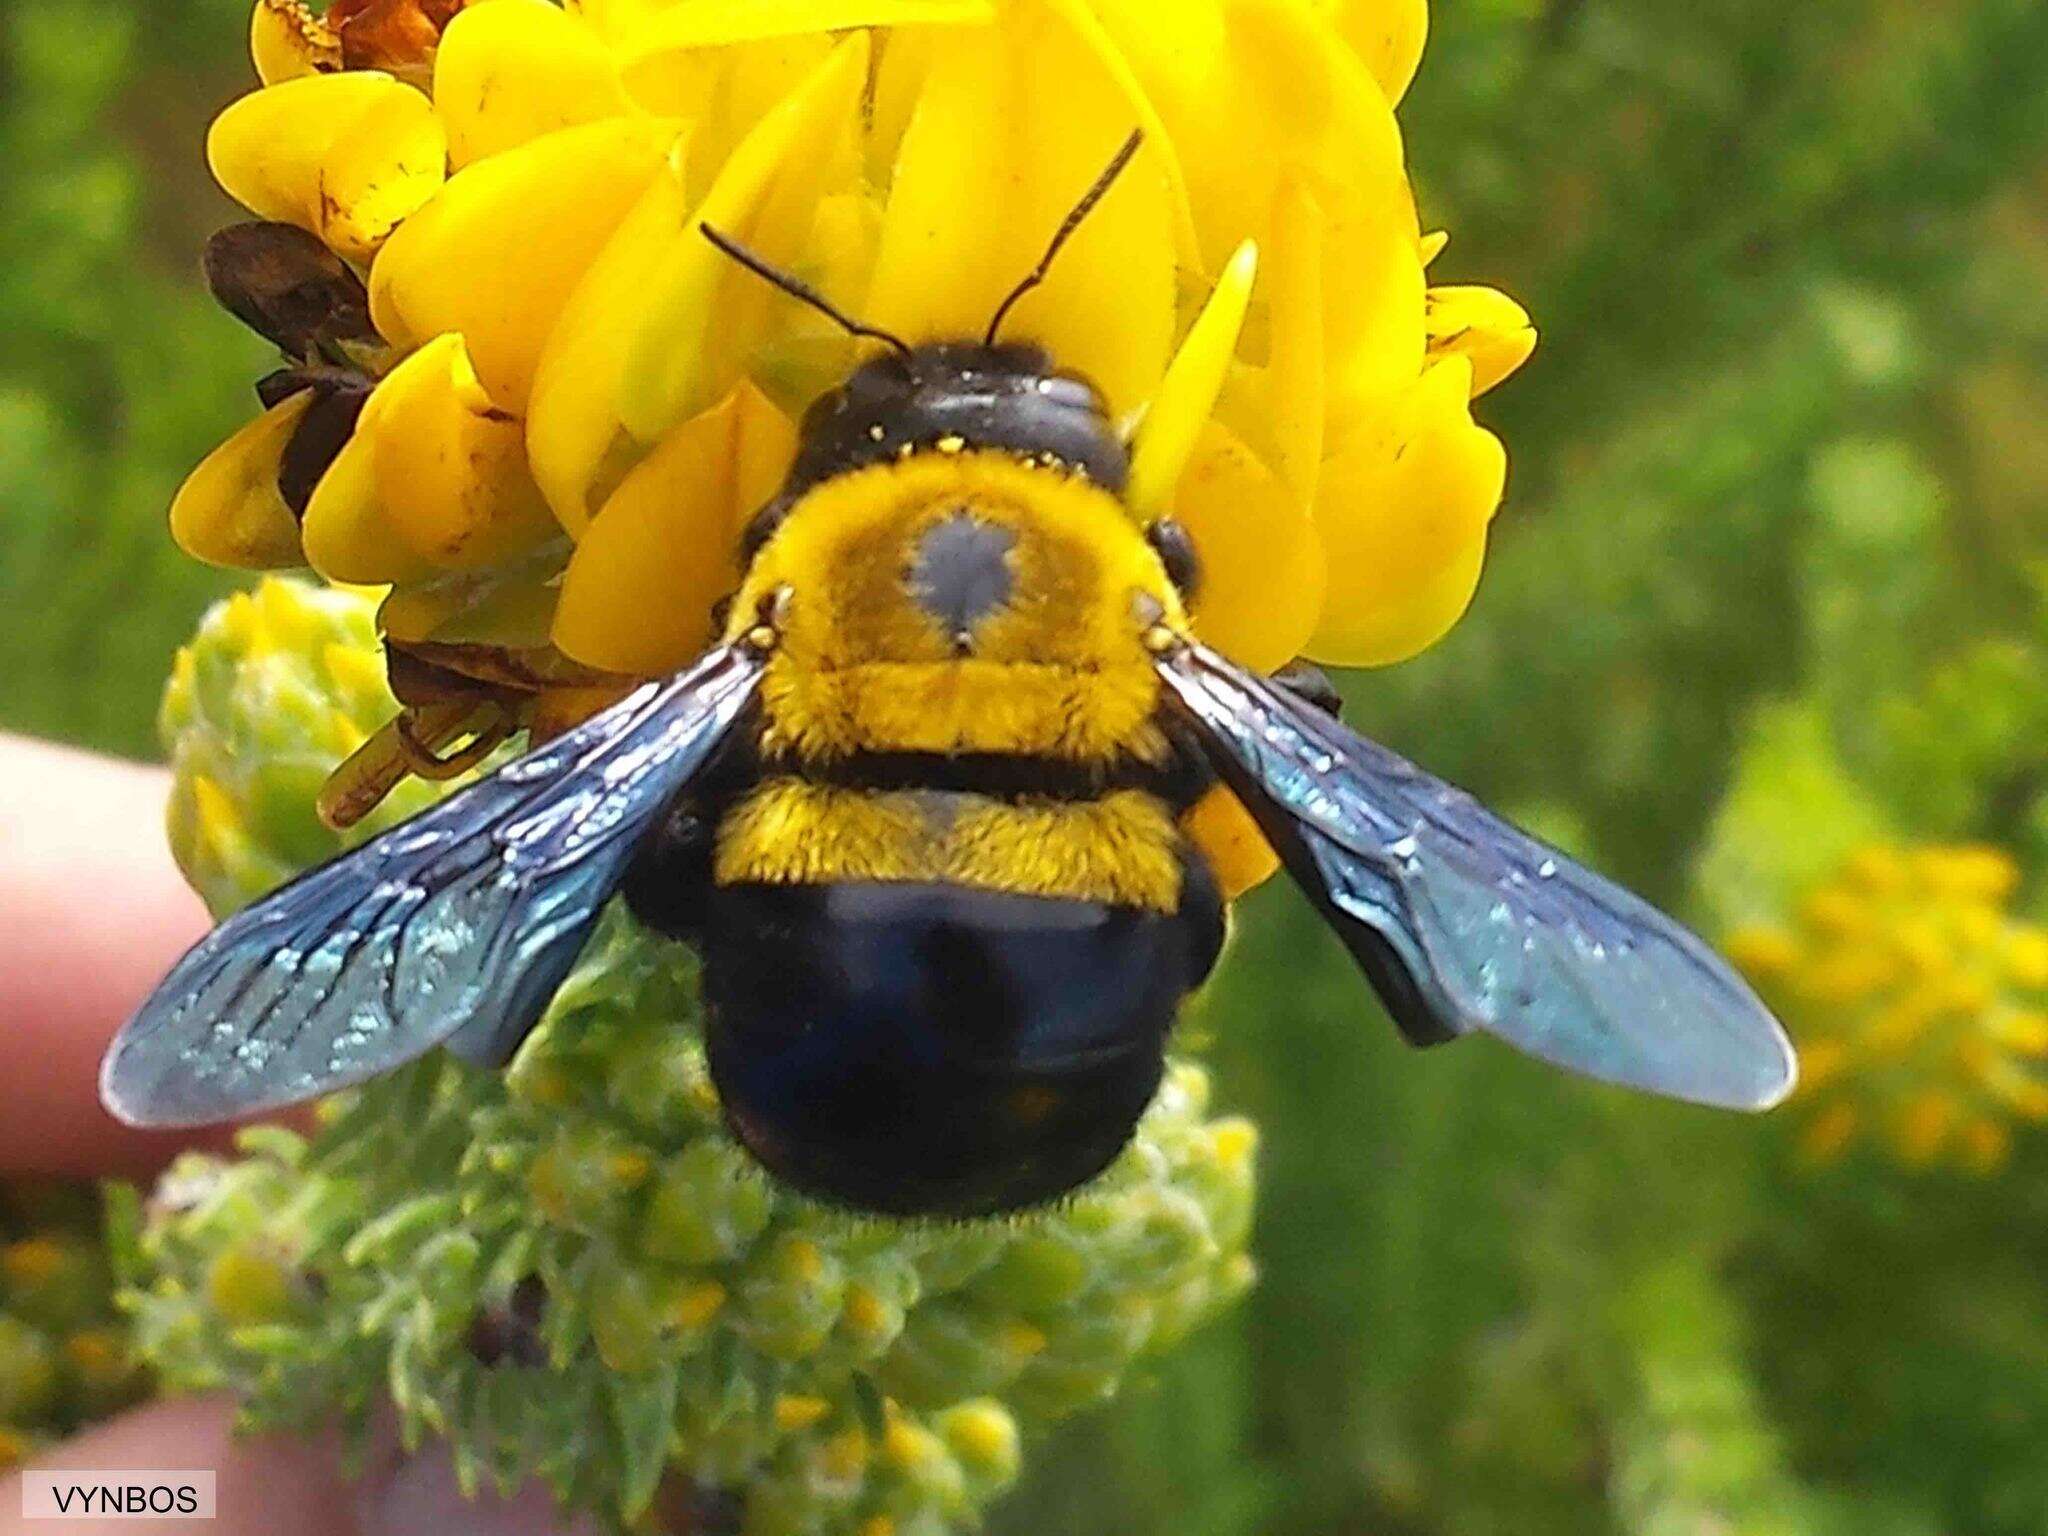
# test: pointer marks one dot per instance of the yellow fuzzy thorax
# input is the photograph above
(1119, 849)
(1059, 672)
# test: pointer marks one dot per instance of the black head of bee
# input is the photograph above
(949, 397)
(963, 394)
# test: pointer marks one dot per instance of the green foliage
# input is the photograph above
(117, 373)
(580, 1278)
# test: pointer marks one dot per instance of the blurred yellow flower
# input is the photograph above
(1919, 1001)
(64, 1358)
(562, 373)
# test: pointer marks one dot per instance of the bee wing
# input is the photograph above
(1464, 923)
(454, 928)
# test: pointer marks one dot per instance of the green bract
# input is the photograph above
(570, 1271)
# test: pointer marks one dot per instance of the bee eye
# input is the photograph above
(1175, 548)
(1073, 392)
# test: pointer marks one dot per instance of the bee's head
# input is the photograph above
(960, 598)
(1001, 396)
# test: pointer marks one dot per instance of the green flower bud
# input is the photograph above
(709, 1206)
(51, 1279)
(280, 684)
(245, 1285)
(983, 1439)
(28, 1371)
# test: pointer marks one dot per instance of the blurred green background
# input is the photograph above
(1769, 585)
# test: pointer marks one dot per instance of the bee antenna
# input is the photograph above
(802, 291)
(1068, 226)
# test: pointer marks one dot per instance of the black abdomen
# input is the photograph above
(935, 1050)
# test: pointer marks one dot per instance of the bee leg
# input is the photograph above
(1311, 685)
(668, 887)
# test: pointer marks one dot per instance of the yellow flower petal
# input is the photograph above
(1186, 397)
(903, 58)
(1403, 516)
(1261, 94)
(1230, 841)
(229, 511)
(992, 162)
(286, 40)
(617, 20)
(511, 71)
(1298, 383)
(682, 25)
(498, 250)
(702, 315)
(1387, 36)
(1483, 325)
(808, 354)
(723, 66)
(1281, 408)
(573, 437)
(1081, 17)
(1253, 91)
(1261, 558)
(724, 93)
(450, 466)
(1373, 305)
(511, 607)
(346, 156)
(639, 592)
(348, 535)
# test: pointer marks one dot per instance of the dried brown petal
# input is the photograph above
(286, 286)
(321, 434)
(429, 671)
(399, 36)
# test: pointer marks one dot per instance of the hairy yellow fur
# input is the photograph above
(1118, 849)
(860, 666)
(1061, 673)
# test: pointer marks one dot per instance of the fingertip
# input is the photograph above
(98, 913)
(264, 1484)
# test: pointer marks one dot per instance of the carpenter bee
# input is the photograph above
(920, 812)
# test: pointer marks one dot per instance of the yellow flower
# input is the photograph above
(574, 400)
(64, 1359)
(1482, 325)
(1920, 1002)
(345, 156)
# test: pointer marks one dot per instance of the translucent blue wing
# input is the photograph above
(454, 928)
(1464, 923)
